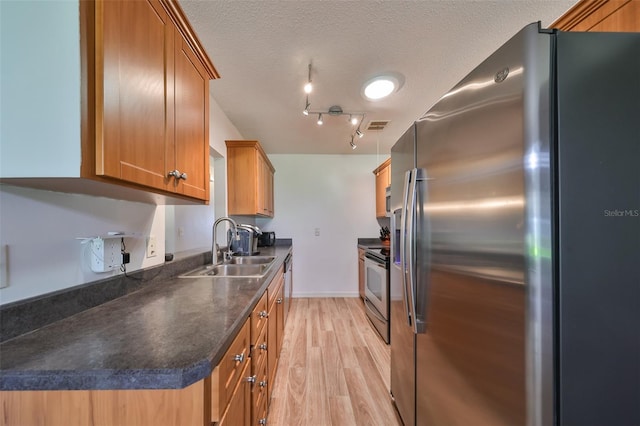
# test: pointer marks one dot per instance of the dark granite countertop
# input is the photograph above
(371, 243)
(164, 336)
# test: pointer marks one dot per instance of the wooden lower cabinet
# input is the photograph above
(361, 273)
(237, 392)
(238, 411)
(229, 372)
(167, 407)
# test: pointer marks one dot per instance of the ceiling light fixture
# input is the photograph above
(355, 118)
(380, 87)
(308, 88)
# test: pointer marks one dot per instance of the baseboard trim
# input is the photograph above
(330, 294)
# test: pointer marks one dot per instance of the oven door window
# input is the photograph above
(375, 276)
(374, 281)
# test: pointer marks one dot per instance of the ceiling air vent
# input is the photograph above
(377, 125)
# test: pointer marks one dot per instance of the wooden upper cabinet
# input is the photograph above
(383, 180)
(249, 179)
(601, 16)
(151, 84)
(191, 150)
(131, 89)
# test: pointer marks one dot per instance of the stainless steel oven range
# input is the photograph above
(376, 278)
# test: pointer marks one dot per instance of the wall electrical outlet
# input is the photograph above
(105, 254)
(151, 246)
(317, 232)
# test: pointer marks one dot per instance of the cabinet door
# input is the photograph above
(239, 409)
(133, 121)
(361, 273)
(191, 148)
(269, 192)
(261, 186)
(382, 181)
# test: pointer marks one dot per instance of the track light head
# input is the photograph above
(359, 133)
(306, 108)
(320, 120)
(353, 145)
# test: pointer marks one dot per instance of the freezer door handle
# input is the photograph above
(403, 245)
(419, 194)
(411, 248)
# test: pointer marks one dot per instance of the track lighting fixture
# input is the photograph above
(355, 118)
(353, 145)
(306, 107)
(308, 88)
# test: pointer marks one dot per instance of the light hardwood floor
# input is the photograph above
(333, 368)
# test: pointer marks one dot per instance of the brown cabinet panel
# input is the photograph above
(228, 372)
(239, 410)
(361, 273)
(147, 109)
(383, 180)
(170, 407)
(131, 139)
(601, 16)
(191, 148)
(259, 317)
(249, 179)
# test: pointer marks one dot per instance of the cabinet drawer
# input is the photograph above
(259, 318)
(274, 287)
(259, 395)
(229, 371)
(260, 350)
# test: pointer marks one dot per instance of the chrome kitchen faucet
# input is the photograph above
(215, 249)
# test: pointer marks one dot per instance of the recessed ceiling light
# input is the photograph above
(380, 87)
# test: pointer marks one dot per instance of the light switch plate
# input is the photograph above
(4, 266)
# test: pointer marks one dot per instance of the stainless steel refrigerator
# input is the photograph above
(515, 283)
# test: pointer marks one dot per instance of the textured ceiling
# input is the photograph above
(262, 50)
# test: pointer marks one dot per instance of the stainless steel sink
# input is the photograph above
(251, 260)
(239, 267)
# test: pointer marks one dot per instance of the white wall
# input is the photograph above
(40, 227)
(40, 54)
(336, 194)
(332, 193)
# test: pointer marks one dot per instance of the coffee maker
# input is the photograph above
(247, 244)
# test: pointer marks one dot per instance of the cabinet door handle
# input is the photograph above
(262, 421)
(183, 176)
(263, 346)
(239, 357)
(175, 173)
(263, 314)
(279, 301)
(251, 379)
(262, 383)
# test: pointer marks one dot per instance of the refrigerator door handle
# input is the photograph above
(411, 244)
(419, 187)
(403, 245)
